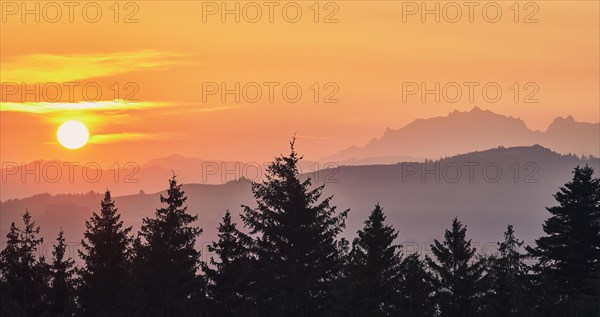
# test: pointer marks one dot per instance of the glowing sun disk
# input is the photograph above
(72, 134)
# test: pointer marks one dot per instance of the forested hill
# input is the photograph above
(415, 202)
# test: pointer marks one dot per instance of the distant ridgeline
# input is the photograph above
(292, 252)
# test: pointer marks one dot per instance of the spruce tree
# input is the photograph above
(62, 285)
(9, 262)
(295, 241)
(416, 288)
(375, 268)
(341, 291)
(508, 277)
(104, 277)
(167, 260)
(229, 276)
(24, 277)
(569, 254)
(457, 273)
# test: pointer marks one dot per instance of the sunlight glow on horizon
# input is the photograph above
(171, 52)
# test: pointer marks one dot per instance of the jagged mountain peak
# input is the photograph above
(473, 130)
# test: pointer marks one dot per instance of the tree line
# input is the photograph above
(290, 261)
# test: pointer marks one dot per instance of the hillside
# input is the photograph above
(419, 198)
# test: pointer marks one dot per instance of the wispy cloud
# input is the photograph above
(60, 107)
(90, 113)
(44, 68)
(126, 136)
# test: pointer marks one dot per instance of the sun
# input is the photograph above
(72, 134)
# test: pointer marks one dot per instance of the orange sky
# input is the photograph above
(169, 53)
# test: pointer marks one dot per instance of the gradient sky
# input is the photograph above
(369, 53)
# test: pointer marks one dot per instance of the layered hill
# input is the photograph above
(487, 190)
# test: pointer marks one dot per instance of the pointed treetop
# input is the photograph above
(293, 153)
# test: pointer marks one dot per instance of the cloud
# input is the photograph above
(116, 137)
(129, 136)
(45, 68)
(90, 113)
(61, 107)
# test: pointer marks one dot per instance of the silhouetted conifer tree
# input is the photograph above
(375, 263)
(24, 278)
(416, 288)
(508, 280)
(61, 297)
(229, 276)
(457, 274)
(569, 254)
(340, 291)
(295, 236)
(9, 262)
(168, 261)
(105, 275)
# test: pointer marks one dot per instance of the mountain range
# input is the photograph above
(21, 180)
(434, 138)
(475, 130)
(487, 190)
